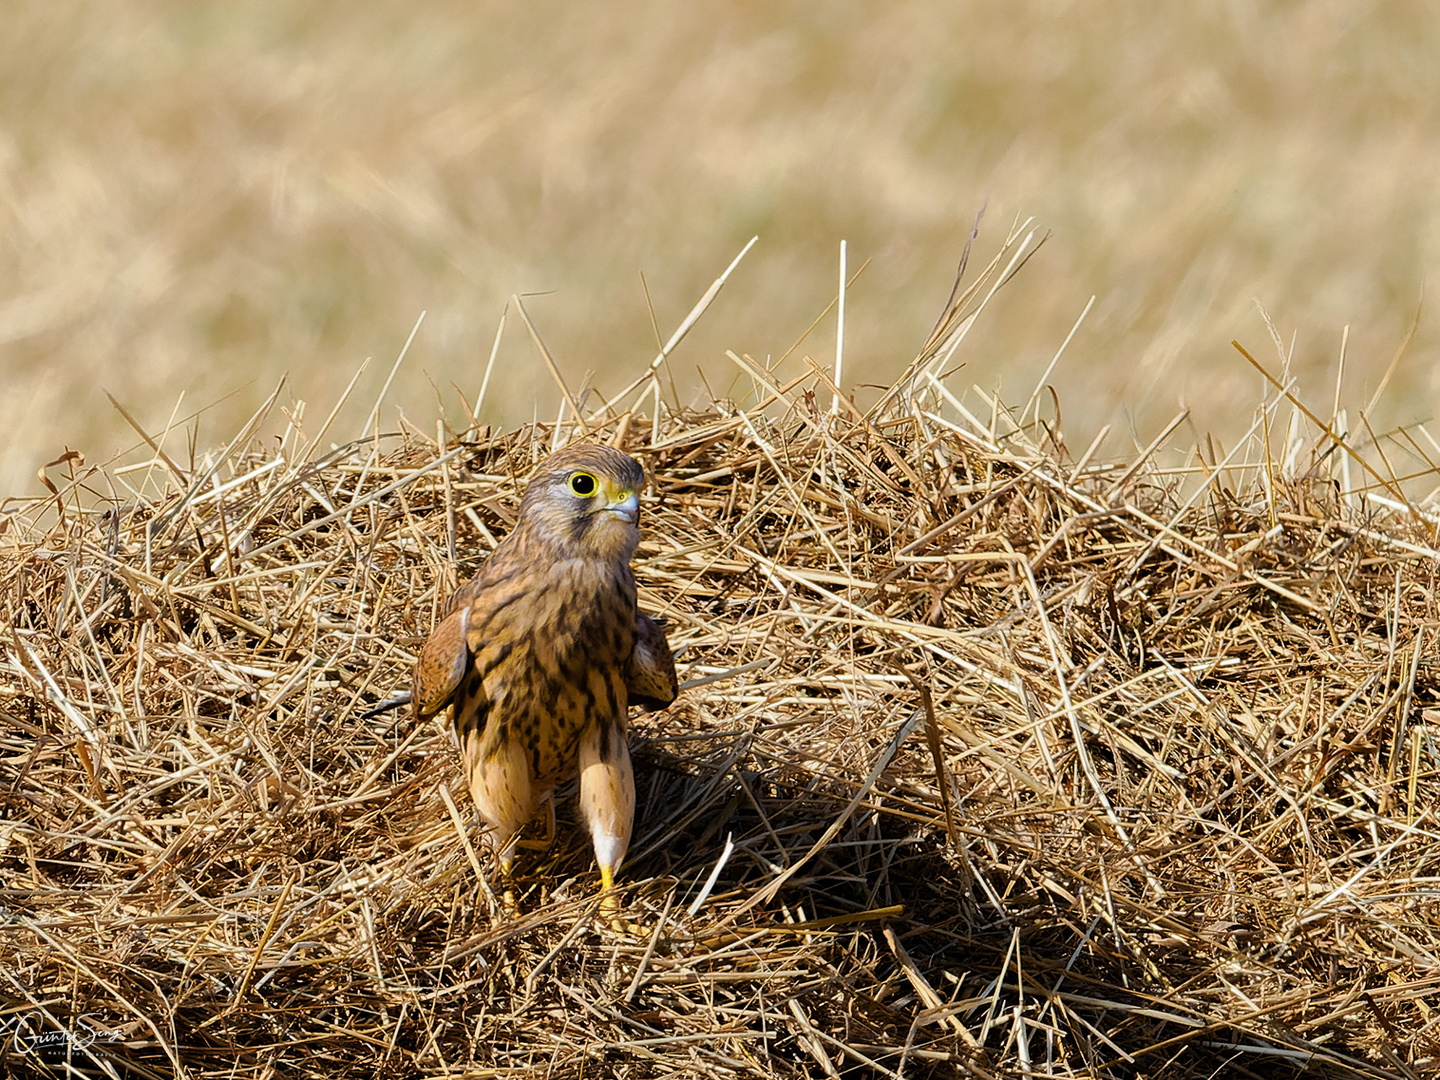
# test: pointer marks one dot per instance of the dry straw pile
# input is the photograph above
(998, 759)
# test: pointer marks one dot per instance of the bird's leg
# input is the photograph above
(506, 853)
(500, 784)
(607, 799)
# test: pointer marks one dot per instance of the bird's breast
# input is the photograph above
(554, 663)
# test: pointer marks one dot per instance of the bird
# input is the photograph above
(540, 655)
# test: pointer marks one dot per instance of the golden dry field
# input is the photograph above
(993, 758)
(198, 200)
(1069, 717)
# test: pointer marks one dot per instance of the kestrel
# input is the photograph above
(541, 654)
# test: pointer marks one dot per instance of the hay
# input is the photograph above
(996, 760)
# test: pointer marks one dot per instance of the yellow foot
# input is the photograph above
(610, 905)
(502, 908)
(506, 908)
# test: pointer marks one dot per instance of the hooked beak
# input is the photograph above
(626, 504)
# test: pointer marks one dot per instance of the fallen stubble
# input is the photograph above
(1175, 814)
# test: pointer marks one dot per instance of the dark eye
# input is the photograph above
(583, 484)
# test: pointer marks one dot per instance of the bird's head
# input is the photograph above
(584, 500)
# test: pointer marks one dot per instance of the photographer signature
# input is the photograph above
(30, 1036)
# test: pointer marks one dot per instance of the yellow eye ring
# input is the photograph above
(584, 484)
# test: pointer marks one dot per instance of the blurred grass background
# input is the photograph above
(198, 198)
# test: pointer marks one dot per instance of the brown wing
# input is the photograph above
(466, 594)
(650, 675)
(442, 664)
(447, 653)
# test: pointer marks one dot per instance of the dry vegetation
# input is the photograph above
(1000, 756)
(203, 197)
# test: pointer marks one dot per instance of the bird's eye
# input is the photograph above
(583, 484)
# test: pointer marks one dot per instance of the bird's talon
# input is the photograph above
(610, 905)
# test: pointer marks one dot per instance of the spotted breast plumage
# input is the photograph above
(540, 655)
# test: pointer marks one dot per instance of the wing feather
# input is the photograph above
(442, 664)
(650, 675)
